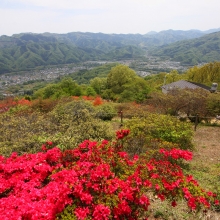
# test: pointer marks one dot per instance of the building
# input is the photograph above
(183, 84)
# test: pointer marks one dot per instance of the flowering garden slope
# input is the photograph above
(94, 181)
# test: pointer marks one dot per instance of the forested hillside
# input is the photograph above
(28, 51)
(192, 52)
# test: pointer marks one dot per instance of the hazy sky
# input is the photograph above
(107, 16)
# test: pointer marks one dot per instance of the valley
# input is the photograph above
(152, 65)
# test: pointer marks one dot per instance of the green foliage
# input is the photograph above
(106, 111)
(67, 125)
(213, 104)
(90, 91)
(124, 85)
(66, 87)
(206, 74)
(155, 81)
(137, 91)
(124, 52)
(155, 126)
(98, 84)
(118, 77)
(84, 76)
(173, 76)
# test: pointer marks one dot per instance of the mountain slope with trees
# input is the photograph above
(27, 51)
(192, 52)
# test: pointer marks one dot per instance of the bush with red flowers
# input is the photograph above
(94, 181)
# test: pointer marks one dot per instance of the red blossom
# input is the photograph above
(122, 133)
(161, 197)
(216, 202)
(98, 179)
(174, 204)
(177, 154)
(144, 200)
(81, 212)
(101, 212)
(50, 143)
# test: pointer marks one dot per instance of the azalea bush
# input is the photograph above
(96, 180)
(151, 126)
(106, 112)
(67, 125)
(10, 102)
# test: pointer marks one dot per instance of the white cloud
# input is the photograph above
(115, 16)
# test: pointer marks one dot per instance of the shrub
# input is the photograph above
(106, 112)
(67, 125)
(97, 101)
(155, 126)
(97, 180)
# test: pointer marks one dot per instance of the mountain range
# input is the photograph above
(27, 51)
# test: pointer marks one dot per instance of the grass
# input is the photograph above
(205, 165)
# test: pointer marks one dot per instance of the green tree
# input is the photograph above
(68, 86)
(137, 90)
(50, 90)
(119, 77)
(173, 76)
(206, 74)
(155, 81)
(98, 84)
(90, 91)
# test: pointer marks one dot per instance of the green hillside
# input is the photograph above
(84, 76)
(28, 51)
(192, 52)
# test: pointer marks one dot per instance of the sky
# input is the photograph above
(107, 16)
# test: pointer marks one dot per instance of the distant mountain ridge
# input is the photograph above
(185, 32)
(26, 51)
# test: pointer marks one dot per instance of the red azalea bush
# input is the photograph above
(95, 180)
(10, 102)
(97, 101)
